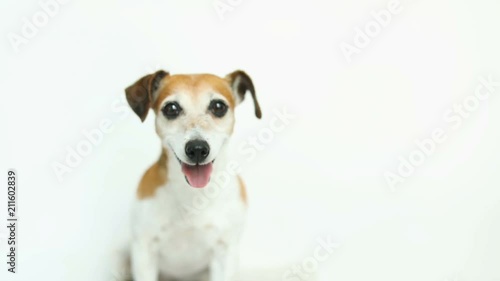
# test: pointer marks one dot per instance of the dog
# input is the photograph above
(191, 204)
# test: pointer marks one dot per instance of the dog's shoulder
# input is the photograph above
(153, 178)
(243, 190)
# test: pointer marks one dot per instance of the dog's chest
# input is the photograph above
(188, 246)
(186, 232)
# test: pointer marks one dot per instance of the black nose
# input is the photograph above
(197, 150)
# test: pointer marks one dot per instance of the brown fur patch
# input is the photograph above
(155, 177)
(195, 84)
(241, 82)
(243, 191)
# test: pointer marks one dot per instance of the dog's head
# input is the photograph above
(194, 115)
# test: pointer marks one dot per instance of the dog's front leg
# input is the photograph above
(144, 262)
(224, 264)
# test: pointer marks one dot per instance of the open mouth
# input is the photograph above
(197, 175)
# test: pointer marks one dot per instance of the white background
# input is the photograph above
(323, 176)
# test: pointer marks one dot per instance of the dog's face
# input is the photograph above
(194, 115)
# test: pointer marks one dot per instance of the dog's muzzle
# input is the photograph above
(197, 174)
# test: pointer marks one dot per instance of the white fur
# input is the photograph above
(183, 232)
(195, 122)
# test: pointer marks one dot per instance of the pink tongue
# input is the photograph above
(197, 176)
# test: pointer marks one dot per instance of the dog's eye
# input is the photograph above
(218, 108)
(171, 110)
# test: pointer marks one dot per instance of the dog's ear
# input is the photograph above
(142, 94)
(240, 83)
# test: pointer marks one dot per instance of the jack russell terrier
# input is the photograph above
(186, 222)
